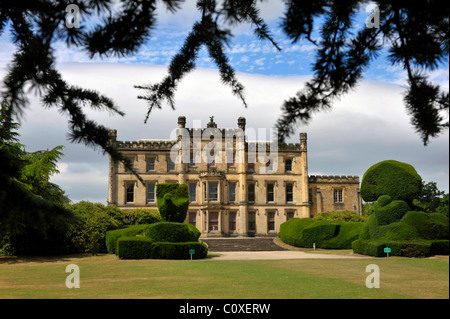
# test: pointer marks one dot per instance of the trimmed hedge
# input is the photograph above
(319, 232)
(113, 236)
(398, 180)
(417, 234)
(391, 212)
(172, 201)
(328, 234)
(146, 248)
(348, 233)
(172, 232)
(422, 248)
(291, 230)
(440, 247)
(165, 240)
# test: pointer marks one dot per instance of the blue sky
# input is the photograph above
(248, 54)
(366, 126)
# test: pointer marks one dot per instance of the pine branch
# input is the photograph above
(181, 64)
(215, 49)
(339, 65)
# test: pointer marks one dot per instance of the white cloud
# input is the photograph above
(366, 126)
(245, 58)
(260, 61)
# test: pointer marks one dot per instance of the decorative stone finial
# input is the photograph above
(113, 135)
(211, 123)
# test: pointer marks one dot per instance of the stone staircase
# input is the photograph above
(241, 244)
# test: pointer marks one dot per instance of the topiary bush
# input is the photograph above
(147, 248)
(416, 234)
(392, 224)
(398, 180)
(328, 234)
(391, 212)
(172, 232)
(164, 240)
(348, 233)
(172, 201)
(134, 247)
(113, 236)
(319, 232)
(291, 230)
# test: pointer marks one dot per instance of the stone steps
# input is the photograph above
(241, 244)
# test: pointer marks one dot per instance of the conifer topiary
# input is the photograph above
(398, 180)
(172, 201)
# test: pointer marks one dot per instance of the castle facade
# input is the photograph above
(236, 187)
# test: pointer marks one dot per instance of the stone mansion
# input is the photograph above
(231, 192)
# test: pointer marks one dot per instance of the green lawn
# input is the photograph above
(106, 276)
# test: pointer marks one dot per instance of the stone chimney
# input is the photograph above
(303, 141)
(241, 123)
(181, 122)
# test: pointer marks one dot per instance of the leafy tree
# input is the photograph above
(31, 214)
(415, 31)
(430, 197)
(443, 207)
(35, 175)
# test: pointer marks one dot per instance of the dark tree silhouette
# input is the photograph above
(416, 32)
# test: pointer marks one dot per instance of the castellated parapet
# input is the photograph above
(333, 179)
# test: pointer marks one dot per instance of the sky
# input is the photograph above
(367, 125)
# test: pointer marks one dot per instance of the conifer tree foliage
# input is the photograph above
(29, 202)
(416, 33)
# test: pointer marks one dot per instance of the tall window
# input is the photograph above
(232, 192)
(151, 164)
(150, 193)
(213, 190)
(251, 221)
(289, 193)
(338, 196)
(288, 165)
(251, 167)
(192, 192)
(170, 165)
(193, 218)
(289, 215)
(192, 159)
(271, 221)
(270, 192)
(213, 221)
(251, 193)
(130, 193)
(232, 222)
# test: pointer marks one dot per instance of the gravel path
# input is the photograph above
(267, 255)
